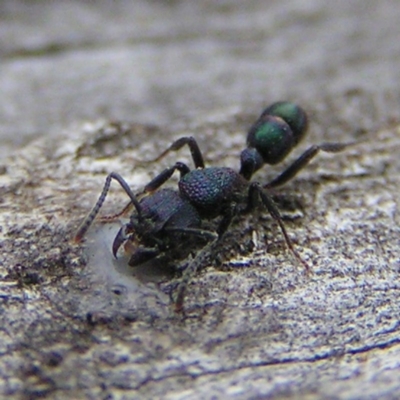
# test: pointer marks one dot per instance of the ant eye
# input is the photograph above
(292, 114)
(272, 137)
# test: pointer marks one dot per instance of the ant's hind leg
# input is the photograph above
(293, 169)
(256, 190)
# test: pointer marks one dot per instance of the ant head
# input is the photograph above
(279, 128)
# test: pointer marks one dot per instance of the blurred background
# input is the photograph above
(160, 62)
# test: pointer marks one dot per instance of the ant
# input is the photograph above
(163, 221)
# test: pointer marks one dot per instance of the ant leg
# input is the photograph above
(142, 255)
(161, 178)
(201, 259)
(291, 171)
(225, 221)
(158, 181)
(266, 199)
(197, 262)
(145, 254)
(85, 225)
(178, 144)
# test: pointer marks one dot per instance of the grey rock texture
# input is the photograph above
(94, 87)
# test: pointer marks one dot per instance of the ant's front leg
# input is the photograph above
(201, 259)
(163, 176)
(178, 144)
